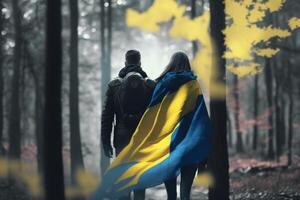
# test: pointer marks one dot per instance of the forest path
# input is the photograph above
(250, 179)
(159, 192)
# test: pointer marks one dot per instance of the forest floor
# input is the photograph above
(250, 179)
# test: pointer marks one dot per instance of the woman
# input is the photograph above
(173, 135)
(180, 62)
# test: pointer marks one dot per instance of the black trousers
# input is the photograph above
(187, 178)
(137, 194)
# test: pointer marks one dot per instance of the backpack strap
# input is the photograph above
(132, 73)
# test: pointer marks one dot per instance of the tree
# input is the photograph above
(279, 78)
(278, 122)
(229, 130)
(53, 166)
(291, 106)
(1, 77)
(38, 104)
(290, 115)
(218, 160)
(193, 15)
(107, 70)
(239, 140)
(269, 86)
(14, 118)
(255, 113)
(105, 61)
(75, 143)
(39, 107)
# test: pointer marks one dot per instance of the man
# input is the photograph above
(127, 98)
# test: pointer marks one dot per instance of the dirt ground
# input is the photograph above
(250, 179)
(257, 179)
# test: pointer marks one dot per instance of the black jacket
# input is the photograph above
(111, 111)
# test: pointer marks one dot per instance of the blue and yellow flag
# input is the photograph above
(173, 132)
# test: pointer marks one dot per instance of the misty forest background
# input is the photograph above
(263, 118)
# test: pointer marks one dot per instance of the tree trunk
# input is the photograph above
(282, 105)
(269, 81)
(1, 80)
(282, 120)
(109, 43)
(24, 114)
(277, 111)
(105, 75)
(53, 172)
(239, 140)
(75, 139)
(14, 129)
(229, 130)
(290, 115)
(218, 160)
(255, 113)
(38, 105)
(193, 15)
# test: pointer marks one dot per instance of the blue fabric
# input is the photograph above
(170, 83)
(189, 143)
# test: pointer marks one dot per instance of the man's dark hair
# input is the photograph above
(133, 57)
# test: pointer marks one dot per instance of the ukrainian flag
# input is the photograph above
(173, 132)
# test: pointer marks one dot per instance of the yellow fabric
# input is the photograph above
(150, 143)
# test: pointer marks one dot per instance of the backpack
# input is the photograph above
(133, 98)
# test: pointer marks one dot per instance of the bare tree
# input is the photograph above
(38, 103)
(290, 106)
(229, 130)
(290, 115)
(75, 138)
(53, 166)
(107, 70)
(277, 109)
(269, 88)
(255, 112)
(14, 118)
(193, 15)
(1, 77)
(239, 140)
(218, 160)
(105, 24)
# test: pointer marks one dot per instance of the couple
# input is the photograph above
(156, 129)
